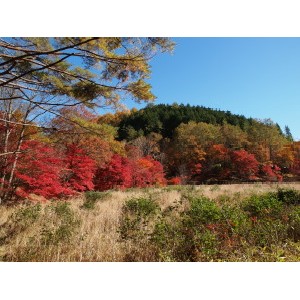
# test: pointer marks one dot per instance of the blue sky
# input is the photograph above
(255, 77)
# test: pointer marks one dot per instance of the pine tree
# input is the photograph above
(288, 133)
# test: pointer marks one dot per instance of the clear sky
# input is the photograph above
(255, 77)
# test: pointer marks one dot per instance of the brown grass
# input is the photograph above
(97, 236)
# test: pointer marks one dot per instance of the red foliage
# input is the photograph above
(116, 174)
(271, 172)
(196, 169)
(122, 172)
(79, 169)
(245, 165)
(174, 181)
(147, 172)
(38, 171)
(217, 164)
(219, 152)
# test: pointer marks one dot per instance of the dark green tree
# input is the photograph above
(288, 133)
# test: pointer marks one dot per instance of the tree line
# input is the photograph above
(199, 144)
(86, 151)
(53, 143)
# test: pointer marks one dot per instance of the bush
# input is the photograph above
(234, 218)
(263, 206)
(207, 244)
(203, 211)
(266, 233)
(288, 196)
(141, 206)
(186, 237)
(135, 218)
(167, 239)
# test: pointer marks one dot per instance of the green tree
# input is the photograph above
(234, 136)
(288, 133)
(266, 140)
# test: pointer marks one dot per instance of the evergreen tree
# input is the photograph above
(288, 133)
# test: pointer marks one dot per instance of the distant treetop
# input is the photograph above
(164, 119)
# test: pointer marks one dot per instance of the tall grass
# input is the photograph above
(203, 223)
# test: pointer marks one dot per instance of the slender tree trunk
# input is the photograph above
(9, 187)
(5, 149)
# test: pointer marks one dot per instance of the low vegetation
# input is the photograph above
(257, 222)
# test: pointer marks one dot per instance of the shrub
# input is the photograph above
(141, 206)
(266, 233)
(168, 239)
(266, 205)
(288, 196)
(207, 244)
(203, 211)
(235, 218)
(135, 218)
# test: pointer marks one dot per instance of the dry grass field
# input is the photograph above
(157, 224)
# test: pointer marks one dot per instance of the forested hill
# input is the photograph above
(164, 119)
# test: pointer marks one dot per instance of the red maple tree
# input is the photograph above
(38, 171)
(79, 169)
(147, 172)
(244, 165)
(116, 174)
(271, 172)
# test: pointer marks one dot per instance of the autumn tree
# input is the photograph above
(288, 133)
(217, 164)
(149, 145)
(122, 172)
(79, 126)
(189, 146)
(38, 172)
(17, 124)
(115, 174)
(234, 136)
(270, 172)
(244, 165)
(50, 73)
(266, 140)
(78, 169)
(147, 172)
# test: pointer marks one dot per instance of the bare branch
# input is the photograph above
(9, 153)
